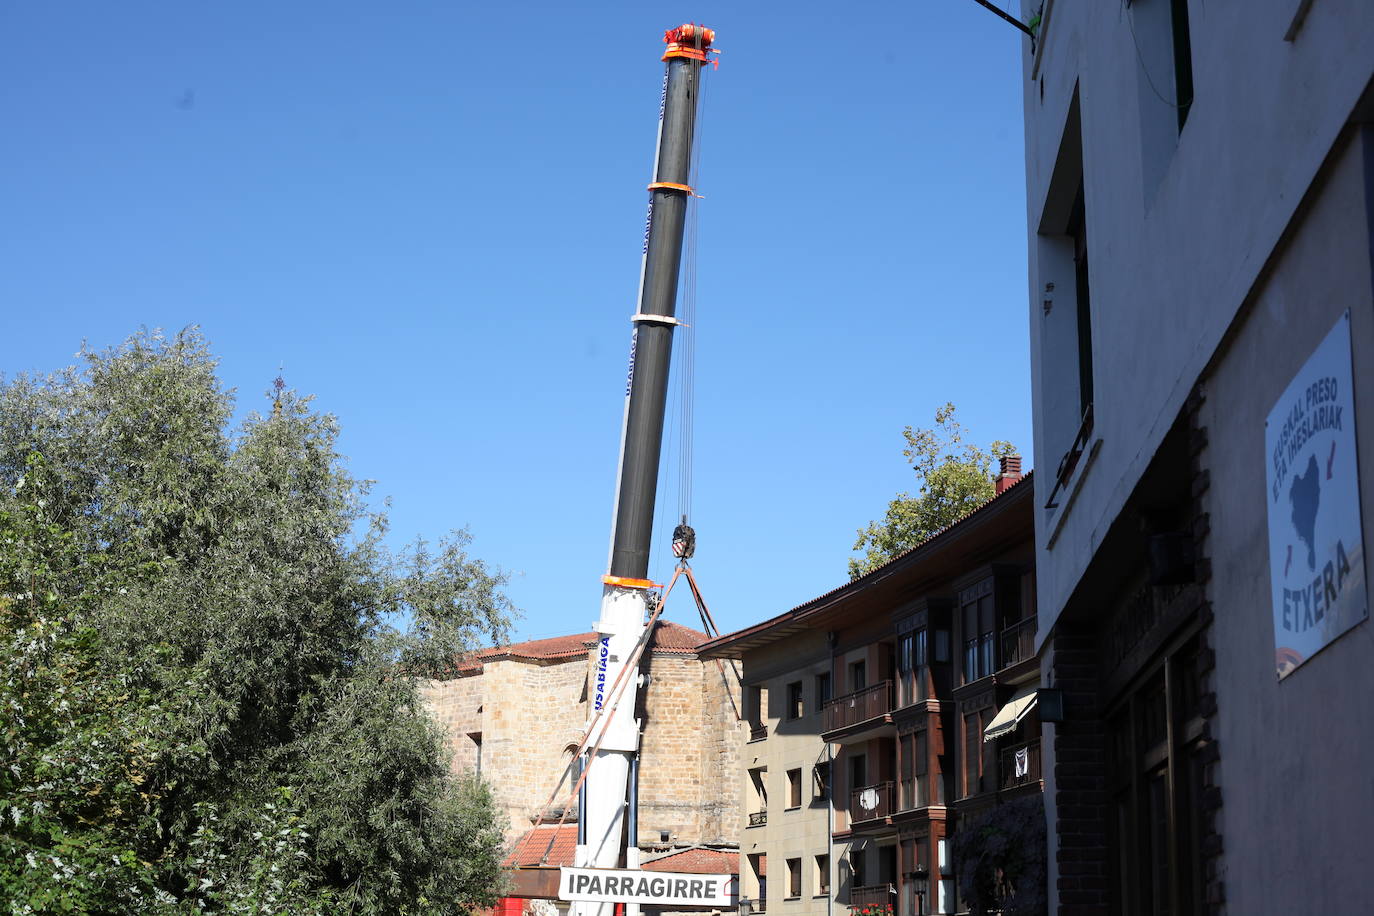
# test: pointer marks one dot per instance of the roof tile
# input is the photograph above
(669, 637)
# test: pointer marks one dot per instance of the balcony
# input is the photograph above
(1018, 643)
(871, 803)
(873, 895)
(758, 732)
(758, 818)
(1020, 765)
(856, 714)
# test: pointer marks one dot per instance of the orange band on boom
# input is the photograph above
(630, 583)
(670, 186)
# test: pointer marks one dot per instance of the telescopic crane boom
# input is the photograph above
(607, 812)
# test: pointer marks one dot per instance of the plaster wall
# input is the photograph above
(791, 832)
(1176, 244)
(1295, 753)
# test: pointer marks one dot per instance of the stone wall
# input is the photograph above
(528, 712)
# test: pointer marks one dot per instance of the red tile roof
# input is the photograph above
(698, 860)
(671, 638)
(532, 846)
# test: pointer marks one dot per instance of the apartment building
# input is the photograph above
(885, 713)
(1200, 204)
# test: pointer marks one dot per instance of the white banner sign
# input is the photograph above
(604, 885)
(1316, 541)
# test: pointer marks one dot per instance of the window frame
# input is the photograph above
(1154, 732)
(824, 690)
(794, 879)
(796, 701)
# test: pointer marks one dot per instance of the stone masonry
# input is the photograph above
(517, 712)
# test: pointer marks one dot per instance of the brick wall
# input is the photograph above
(1080, 796)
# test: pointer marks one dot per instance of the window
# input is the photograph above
(973, 754)
(794, 788)
(758, 780)
(911, 668)
(915, 787)
(945, 891)
(1062, 331)
(858, 771)
(793, 878)
(755, 709)
(980, 637)
(820, 774)
(857, 869)
(822, 882)
(794, 700)
(758, 864)
(1164, 80)
(476, 738)
(1078, 231)
(858, 676)
(1148, 828)
(823, 693)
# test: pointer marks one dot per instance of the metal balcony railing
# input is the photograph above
(758, 732)
(1069, 463)
(1020, 764)
(1018, 642)
(871, 802)
(758, 818)
(859, 706)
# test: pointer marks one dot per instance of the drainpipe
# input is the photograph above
(830, 862)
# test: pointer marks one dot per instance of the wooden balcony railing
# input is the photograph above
(1020, 765)
(758, 818)
(859, 706)
(873, 895)
(1018, 642)
(871, 802)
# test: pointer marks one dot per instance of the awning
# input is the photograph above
(1010, 716)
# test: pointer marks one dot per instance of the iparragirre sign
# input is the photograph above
(1316, 539)
(605, 885)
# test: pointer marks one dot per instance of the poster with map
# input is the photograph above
(1316, 540)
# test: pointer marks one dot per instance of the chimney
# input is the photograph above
(1010, 473)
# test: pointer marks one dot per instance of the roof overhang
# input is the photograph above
(1007, 516)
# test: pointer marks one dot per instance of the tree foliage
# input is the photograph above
(1000, 858)
(955, 478)
(209, 659)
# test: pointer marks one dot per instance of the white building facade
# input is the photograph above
(1200, 208)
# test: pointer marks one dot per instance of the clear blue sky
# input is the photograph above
(431, 215)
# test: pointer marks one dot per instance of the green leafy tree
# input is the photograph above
(956, 477)
(209, 659)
